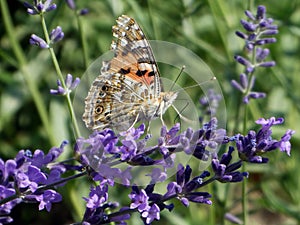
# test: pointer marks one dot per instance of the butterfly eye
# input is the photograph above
(99, 109)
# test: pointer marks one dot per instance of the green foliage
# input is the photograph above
(205, 27)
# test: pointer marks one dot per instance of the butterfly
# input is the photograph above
(128, 89)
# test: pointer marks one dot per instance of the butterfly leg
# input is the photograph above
(161, 118)
(134, 122)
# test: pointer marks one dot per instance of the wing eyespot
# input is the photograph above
(104, 88)
(101, 94)
(99, 109)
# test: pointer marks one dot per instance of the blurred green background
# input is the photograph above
(205, 27)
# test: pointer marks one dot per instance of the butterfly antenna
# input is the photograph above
(196, 85)
(178, 114)
(181, 116)
(181, 70)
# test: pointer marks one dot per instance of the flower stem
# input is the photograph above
(31, 84)
(244, 198)
(83, 40)
(61, 78)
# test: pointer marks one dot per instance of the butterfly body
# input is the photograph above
(128, 88)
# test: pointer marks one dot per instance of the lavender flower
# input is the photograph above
(259, 29)
(70, 85)
(39, 7)
(253, 145)
(56, 35)
(46, 199)
(36, 40)
(24, 178)
(226, 172)
(151, 214)
(139, 199)
(98, 195)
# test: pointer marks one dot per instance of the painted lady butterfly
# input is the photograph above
(128, 89)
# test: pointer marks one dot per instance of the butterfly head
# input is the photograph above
(167, 99)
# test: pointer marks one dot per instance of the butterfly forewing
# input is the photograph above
(128, 88)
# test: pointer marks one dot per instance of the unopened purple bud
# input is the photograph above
(257, 95)
(265, 41)
(36, 40)
(71, 4)
(246, 99)
(252, 37)
(69, 80)
(249, 46)
(244, 80)
(250, 69)
(248, 26)
(249, 15)
(272, 27)
(83, 12)
(163, 131)
(270, 20)
(261, 54)
(241, 35)
(30, 9)
(40, 6)
(242, 60)
(48, 6)
(252, 82)
(269, 32)
(56, 34)
(261, 11)
(236, 85)
(267, 64)
(75, 83)
(258, 159)
(51, 7)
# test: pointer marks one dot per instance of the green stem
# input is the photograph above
(244, 198)
(212, 209)
(82, 39)
(31, 84)
(61, 78)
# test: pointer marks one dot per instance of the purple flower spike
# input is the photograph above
(38, 7)
(36, 40)
(70, 85)
(259, 29)
(253, 145)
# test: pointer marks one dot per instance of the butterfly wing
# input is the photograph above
(127, 81)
